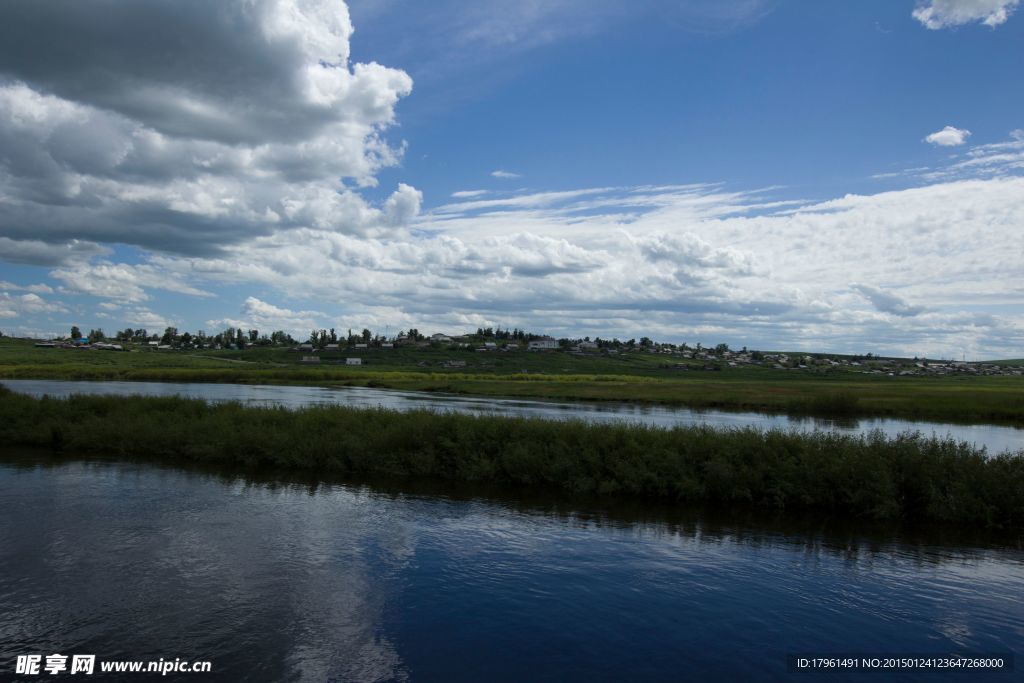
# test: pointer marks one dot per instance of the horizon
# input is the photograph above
(352, 337)
(759, 173)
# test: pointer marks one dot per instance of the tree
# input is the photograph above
(75, 332)
(169, 334)
(366, 336)
(97, 335)
(721, 348)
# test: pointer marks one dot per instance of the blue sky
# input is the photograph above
(814, 96)
(841, 176)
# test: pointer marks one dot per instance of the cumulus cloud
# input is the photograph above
(683, 262)
(142, 317)
(18, 306)
(122, 281)
(40, 253)
(886, 302)
(241, 165)
(938, 14)
(948, 137)
(505, 174)
(261, 315)
(39, 288)
(249, 129)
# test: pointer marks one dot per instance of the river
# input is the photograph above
(994, 438)
(286, 580)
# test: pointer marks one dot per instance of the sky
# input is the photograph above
(776, 174)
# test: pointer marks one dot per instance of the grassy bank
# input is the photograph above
(872, 477)
(640, 378)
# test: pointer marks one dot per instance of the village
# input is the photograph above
(327, 347)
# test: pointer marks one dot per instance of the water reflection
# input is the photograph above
(291, 578)
(995, 438)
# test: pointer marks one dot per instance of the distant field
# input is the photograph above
(637, 377)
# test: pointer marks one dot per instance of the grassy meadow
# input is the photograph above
(634, 377)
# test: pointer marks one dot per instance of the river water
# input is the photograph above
(995, 438)
(278, 580)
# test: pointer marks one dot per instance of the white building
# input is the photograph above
(353, 361)
(543, 343)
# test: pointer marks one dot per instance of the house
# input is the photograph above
(387, 345)
(587, 345)
(331, 348)
(353, 361)
(360, 346)
(310, 359)
(542, 344)
(440, 338)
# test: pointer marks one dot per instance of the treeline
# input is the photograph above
(873, 476)
(233, 337)
(229, 337)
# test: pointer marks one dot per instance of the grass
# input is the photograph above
(635, 377)
(873, 477)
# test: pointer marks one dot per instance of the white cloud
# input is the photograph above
(142, 317)
(40, 253)
(948, 137)
(246, 131)
(938, 14)
(122, 281)
(39, 288)
(505, 174)
(886, 302)
(27, 305)
(266, 317)
(688, 263)
(222, 180)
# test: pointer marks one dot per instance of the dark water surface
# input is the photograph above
(996, 439)
(287, 581)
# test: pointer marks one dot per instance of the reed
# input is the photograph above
(909, 477)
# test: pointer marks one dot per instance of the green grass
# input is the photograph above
(635, 377)
(909, 477)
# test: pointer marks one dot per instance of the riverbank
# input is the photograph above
(959, 400)
(629, 377)
(873, 477)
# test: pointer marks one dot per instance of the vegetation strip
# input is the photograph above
(627, 377)
(910, 477)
